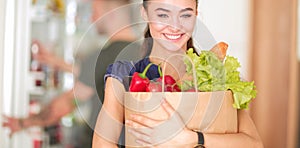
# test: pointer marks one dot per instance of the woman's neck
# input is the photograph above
(160, 54)
(170, 61)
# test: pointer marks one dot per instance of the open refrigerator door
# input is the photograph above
(14, 91)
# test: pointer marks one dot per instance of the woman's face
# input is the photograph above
(171, 22)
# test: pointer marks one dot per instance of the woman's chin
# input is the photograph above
(170, 46)
(173, 49)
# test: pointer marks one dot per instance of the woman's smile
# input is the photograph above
(173, 37)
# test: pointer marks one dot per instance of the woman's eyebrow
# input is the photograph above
(187, 9)
(182, 10)
(162, 9)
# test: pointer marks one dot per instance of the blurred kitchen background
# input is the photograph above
(263, 34)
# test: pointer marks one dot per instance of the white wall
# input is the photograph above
(229, 21)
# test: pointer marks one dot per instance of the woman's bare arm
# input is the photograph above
(110, 119)
(247, 136)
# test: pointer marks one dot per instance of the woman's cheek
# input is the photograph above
(188, 26)
(158, 26)
(189, 31)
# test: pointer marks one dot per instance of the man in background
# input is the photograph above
(114, 22)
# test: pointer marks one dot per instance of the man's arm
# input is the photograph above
(50, 114)
(53, 112)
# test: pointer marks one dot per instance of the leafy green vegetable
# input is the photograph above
(213, 75)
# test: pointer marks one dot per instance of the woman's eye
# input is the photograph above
(186, 16)
(163, 15)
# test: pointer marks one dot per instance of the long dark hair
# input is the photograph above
(148, 41)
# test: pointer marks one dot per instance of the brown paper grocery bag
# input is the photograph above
(209, 112)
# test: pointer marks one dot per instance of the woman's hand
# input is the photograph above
(167, 133)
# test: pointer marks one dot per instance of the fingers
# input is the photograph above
(37, 44)
(5, 121)
(6, 117)
(131, 125)
(143, 143)
(141, 138)
(10, 123)
(167, 107)
(39, 51)
(149, 132)
(5, 124)
(144, 120)
(140, 131)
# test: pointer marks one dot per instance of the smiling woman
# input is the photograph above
(169, 32)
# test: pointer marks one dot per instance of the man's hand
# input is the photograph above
(42, 55)
(14, 124)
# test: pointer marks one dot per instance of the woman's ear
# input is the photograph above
(144, 13)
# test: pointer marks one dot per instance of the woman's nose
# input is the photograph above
(175, 25)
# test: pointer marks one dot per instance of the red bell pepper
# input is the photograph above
(170, 82)
(140, 81)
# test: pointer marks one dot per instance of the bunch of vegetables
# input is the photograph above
(214, 74)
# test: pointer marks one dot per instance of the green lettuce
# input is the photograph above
(213, 75)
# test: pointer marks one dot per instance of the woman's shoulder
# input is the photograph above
(119, 70)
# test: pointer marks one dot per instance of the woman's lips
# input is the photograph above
(173, 37)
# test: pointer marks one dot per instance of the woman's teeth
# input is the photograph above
(173, 37)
